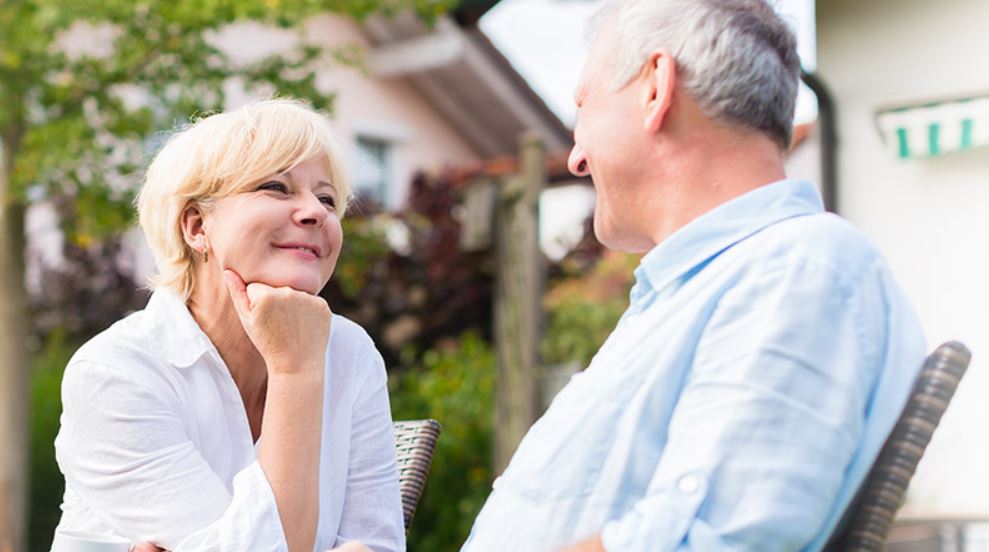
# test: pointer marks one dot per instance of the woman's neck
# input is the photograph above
(213, 310)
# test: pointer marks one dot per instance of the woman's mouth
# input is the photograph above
(306, 249)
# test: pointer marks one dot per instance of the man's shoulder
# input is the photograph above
(823, 239)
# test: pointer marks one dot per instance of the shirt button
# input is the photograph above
(689, 484)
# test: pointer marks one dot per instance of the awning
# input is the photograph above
(934, 128)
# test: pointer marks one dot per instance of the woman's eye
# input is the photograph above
(328, 200)
(274, 186)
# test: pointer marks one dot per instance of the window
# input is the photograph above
(372, 170)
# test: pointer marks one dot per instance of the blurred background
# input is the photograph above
(431, 99)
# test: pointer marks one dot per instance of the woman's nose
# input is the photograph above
(577, 162)
(312, 211)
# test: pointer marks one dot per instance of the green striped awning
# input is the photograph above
(932, 129)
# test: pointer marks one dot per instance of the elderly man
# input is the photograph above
(766, 352)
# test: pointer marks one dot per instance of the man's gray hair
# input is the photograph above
(736, 58)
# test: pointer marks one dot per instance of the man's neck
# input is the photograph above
(698, 177)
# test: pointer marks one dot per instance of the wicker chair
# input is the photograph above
(415, 441)
(867, 522)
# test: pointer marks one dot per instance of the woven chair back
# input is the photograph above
(415, 441)
(868, 520)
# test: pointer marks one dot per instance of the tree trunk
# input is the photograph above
(518, 290)
(14, 392)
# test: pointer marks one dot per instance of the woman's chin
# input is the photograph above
(312, 288)
(304, 284)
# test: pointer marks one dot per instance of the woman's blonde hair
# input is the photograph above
(219, 155)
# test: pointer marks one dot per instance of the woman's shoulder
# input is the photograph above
(161, 336)
(124, 340)
(351, 346)
(345, 332)
(123, 354)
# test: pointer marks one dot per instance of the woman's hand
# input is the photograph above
(289, 328)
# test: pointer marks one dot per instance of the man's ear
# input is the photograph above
(193, 229)
(660, 76)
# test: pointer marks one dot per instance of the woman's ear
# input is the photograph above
(660, 80)
(193, 228)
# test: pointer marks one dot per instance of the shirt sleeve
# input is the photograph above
(768, 419)
(124, 449)
(372, 512)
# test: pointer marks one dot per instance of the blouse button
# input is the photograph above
(689, 484)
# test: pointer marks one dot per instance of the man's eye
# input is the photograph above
(274, 186)
(328, 201)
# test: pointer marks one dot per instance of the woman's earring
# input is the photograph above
(205, 255)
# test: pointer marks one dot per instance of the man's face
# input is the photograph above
(609, 137)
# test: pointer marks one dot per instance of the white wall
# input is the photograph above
(929, 216)
(804, 161)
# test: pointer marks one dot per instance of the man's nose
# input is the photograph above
(577, 162)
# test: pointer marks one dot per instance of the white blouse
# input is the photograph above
(155, 444)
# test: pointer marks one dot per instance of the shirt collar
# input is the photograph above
(174, 332)
(722, 227)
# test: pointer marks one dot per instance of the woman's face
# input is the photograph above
(283, 231)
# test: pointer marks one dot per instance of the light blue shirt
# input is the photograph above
(738, 404)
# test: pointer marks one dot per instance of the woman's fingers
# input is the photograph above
(289, 328)
(257, 291)
(238, 292)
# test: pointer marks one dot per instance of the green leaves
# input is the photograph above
(453, 384)
(85, 83)
(583, 308)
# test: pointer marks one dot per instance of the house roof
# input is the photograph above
(464, 77)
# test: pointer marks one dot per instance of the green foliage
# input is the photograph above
(404, 278)
(76, 122)
(365, 243)
(453, 384)
(583, 308)
(46, 483)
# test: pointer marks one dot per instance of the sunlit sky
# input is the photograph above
(544, 40)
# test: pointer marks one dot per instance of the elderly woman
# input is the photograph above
(235, 412)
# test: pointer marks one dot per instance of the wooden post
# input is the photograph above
(518, 290)
(14, 392)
